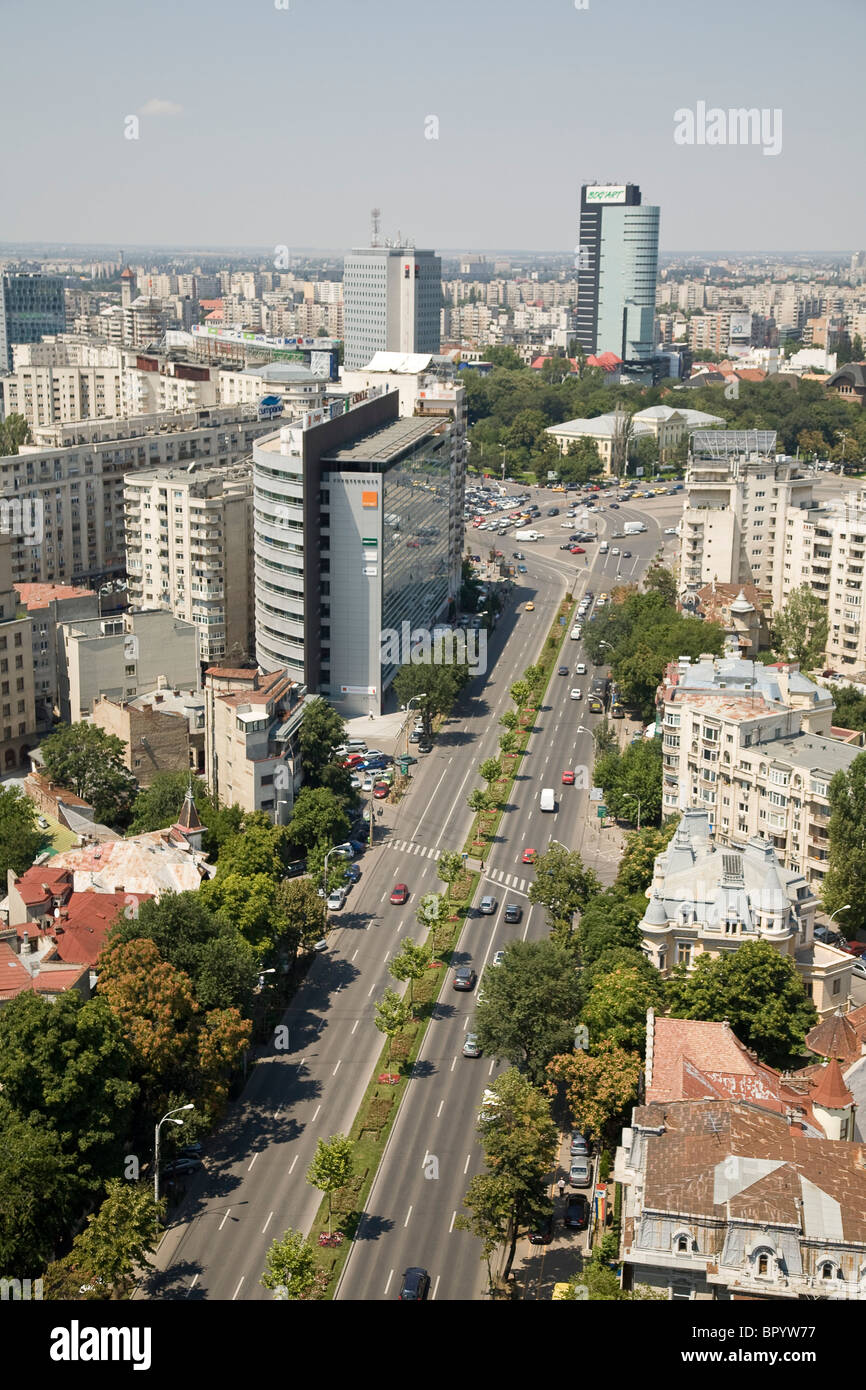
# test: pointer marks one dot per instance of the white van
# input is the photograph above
(547, 801)
(603, 548)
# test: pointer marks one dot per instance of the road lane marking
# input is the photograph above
(192, 1285)
(439, 1111)
(430, 802)
(466, 1164)
(267, 1224)
(454, 1064)
(453, 1219)
(315, 1117)
(354, 1026)
(436, 1286)
(390, 1277)
(355, 955)
(252, 1161)
(223, 1222)
(406, 1222)
(336, 1068)
(294, 1161)
(238, 1289)
(492, 1065)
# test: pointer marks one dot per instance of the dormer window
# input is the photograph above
(682, 1243)
(763, 1264)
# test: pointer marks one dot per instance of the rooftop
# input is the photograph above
(35, 596)
(383, 445)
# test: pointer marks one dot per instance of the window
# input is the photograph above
(684, 953)
(682, 1245)
(763, 1264)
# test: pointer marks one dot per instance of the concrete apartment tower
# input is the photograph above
(391, 301)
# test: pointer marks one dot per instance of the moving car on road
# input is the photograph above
(577, 693)
(577, 1212)
(530, 856)
(568, 778)
(415, 1285)
(487, 906)
(464, 978)
(399, 894)
(471, 1045)
(513, 912)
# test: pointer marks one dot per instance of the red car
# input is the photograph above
(353, 760)
(529, 856)
(381, 790)
(578, 550)
(399, 894)
(568, 778)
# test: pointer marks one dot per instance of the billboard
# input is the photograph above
(741, 325)
(270, 407)
(606, 193)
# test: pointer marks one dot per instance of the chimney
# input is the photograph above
(25, 944)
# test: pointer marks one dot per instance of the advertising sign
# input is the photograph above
(357, 690)
(606, 193)
(270, 407)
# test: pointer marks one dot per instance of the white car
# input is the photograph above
(575, 635)
(355, 783)
(42, 822)
(498, 958)
(859, 969)
(367, 784)
(577, 693)
(615, 550)
(580, 668)
(671, 531)
(565, 526)
(336, 900)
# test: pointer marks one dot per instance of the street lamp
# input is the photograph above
(165, 1117)
(628, 796)
(846, 908)
(582, 729)
(409, 704)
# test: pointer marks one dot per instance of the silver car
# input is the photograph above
(487, 906)
(471, 1046)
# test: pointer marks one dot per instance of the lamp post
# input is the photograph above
(846, 908)
(167, 1116)
(628, 796)
(409, 704)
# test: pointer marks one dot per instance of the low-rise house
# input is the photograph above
(251, 752)
(154, 740)
(726, 1201)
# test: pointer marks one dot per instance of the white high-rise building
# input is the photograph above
(391, 301)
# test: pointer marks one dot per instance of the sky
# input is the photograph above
(470, 123)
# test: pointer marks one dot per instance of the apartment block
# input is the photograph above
(825, 550)
(251, 750)
(48, 605)
(122, 658)
(392, 297)
(17, 700)
(189, 550)
(751, 746)
(72, 480)
(737, 499)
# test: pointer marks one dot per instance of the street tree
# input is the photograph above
(411, 964)
(37, 1205)
(606, 922)
(392, 1014)
(519, 1140)
(616, 1008)
(604, 737)
(291, 1269)
(563, 885)
(319, 818)
(449, 867)
(433, 688)
(478, 800)
(663, 582)
(632, 776)
(488, 1201)
(530, 1007)
(845, 884)
(321, 733)
(89, 762)
(332, 1167)
(757, 990)
(642, 847)
(491, 771)
(303, 912)
(112, 1249)
(510, 720)
(597, 1086)
(520, 692)
(800, 631)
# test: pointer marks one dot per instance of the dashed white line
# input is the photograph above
(294, 1161)
(192, 1285)
(336, 1068)
(267, 1224)
(490, 1068)
(390, 1277)
(406, 1222)
(436, 1286)
(252, 1161)
(454, 1064)
(439, 1111)
(238, 1289)
(318, 1108)
(224, 1220)
(370, 990)
(453, 1219)
(355, 1024)
(355, 955)
(466, 1164)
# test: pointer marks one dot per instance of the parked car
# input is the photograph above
(464, 977)
(336, 900)
(471, 1045)
(542, 1232)
(577, 1212)
(498, 958)
(580, 1145)
(352, 874)
(381, 790)
(180, 1166)
(415, 1285)
(580, 1174)
(42, 822)
(425, 747)
(347, 850)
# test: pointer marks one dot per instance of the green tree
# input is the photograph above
(332, 1167)
(800, 630)
(411, 964)
(663, 582)
(757, 990)
(89, 762)
(536, 678)
(478, 800)
(491, 771)
(580, 462)
(642, 847)
(14, 431)
(616, 1007)
(850, 709)
(321, 733)
(67, 1066)
(391, 1017)
(318, 818)
(37, 1204)
(597, 1086)
(628, 777)
(607, 922)
(510, 720)
(488, 1201)
(449, 867)
(433, 688)
(604, 737)
(114, 1245)
(563, 885)
(520, 692)
(845, 884)
(291, 1269)
(644, 452)
(303, 912)
(158, 806)
(519, 1142)
(20, 840)
(530, 1006)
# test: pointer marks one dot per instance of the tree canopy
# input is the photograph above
(89, 762)
(20, 840)
(530, 1005)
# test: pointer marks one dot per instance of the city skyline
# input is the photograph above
(490, 103)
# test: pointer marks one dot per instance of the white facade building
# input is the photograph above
(392, 298)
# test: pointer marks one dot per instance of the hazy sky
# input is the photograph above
(285, 126)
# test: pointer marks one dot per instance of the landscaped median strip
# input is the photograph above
(486, 823)
(381, 1102)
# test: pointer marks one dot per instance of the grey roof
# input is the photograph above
(282, 372)
(384, 445)
(812, 752)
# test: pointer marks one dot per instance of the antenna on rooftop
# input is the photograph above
(376, 227)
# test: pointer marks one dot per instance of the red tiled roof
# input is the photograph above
(40, 595)
(831, 1091)
(83, 927)
(41, 882)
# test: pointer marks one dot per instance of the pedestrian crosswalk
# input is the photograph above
(509, 880)
(410, 847)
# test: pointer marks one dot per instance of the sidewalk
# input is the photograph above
(538, 1267)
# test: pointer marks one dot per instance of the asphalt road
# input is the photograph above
(253, 1185)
